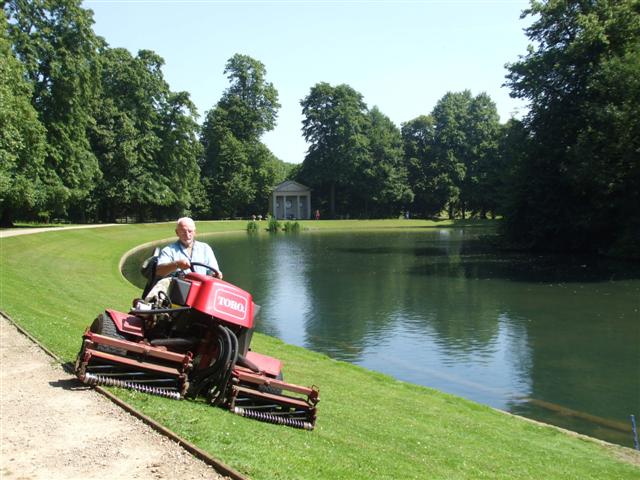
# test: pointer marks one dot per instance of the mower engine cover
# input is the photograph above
(215, 297)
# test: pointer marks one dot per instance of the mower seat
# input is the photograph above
(148, 271)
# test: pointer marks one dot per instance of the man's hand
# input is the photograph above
(182, 264)
(165, 269)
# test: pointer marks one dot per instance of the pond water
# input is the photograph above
(554, 338)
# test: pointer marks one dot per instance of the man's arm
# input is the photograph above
(165, 269)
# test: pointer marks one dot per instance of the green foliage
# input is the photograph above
(58, 48)
(335, 126)
(22, 141)
(93, 133)
(291, 227)
(451, 155)
(273, 225)
(145, 137)
(381, 187)
(250, 101)
(239, 171)
(252, 227)
(429, 181)
(581, 175)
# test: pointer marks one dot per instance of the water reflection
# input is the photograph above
(554, 338)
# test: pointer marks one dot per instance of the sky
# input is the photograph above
(402, 56)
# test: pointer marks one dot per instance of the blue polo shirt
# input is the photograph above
(201, 253)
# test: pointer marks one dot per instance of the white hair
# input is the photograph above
(186, 220)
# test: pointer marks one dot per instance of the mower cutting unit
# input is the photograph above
(193, 341)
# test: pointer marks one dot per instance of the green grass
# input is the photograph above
(370, 426)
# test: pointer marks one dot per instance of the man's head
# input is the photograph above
(186, 231)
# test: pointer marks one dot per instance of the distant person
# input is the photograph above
(317, 214)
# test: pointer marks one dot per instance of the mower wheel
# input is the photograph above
(104, 325)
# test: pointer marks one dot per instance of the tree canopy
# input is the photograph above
(22, 140)
(582, 159)
(93, 133)
(335, 125)
(238, 170)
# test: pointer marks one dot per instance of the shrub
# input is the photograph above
(291, 227)
(274, 225)
(252, 227)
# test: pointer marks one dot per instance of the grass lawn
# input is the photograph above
(370, 426)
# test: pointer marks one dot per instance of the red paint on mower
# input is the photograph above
(195, 345)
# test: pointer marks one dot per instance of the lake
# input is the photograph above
(553, 338)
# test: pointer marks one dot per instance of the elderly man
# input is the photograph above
(179, 254)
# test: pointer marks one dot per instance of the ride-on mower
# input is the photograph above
(193, 341)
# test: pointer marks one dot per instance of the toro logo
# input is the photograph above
(230, 304)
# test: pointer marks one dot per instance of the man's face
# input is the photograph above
(186, 233)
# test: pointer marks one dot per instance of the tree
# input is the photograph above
(380, 185)
(238, 170)
(428, 177)
(250, 101)
(451, 155)
(178, 157)
(21, 141)
(55, 42)
(145, 138)
(465, 145)
(482, 165)
(581, 82)
(504, 179)
(335, 125)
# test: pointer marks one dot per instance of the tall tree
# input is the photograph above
(335, 125)
(483, 166)
(428, 176)
(503, 178)
(22, 144)
(381, 185)
(236, 166)
(55, 41)
(178, 157)
(581, 79)
(145, 138)
(250, 101)
(465, 145)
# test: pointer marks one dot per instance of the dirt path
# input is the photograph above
(52, 427)
(12, 232)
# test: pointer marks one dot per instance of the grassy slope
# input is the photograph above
(370, 426)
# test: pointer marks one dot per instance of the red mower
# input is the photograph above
(193, 342)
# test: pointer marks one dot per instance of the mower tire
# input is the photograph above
(104, 325)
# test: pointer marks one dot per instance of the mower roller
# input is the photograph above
(193, 341)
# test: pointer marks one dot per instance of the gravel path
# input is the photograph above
(52, 427)
(12, 232)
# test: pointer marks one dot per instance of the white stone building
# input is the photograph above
(291, 201)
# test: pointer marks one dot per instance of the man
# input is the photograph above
(180, 254)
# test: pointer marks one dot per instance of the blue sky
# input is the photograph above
(402, 56)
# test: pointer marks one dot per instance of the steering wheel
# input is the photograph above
(216, 273)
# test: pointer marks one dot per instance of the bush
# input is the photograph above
(291, 227)
(252, 227)
(274, 225)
